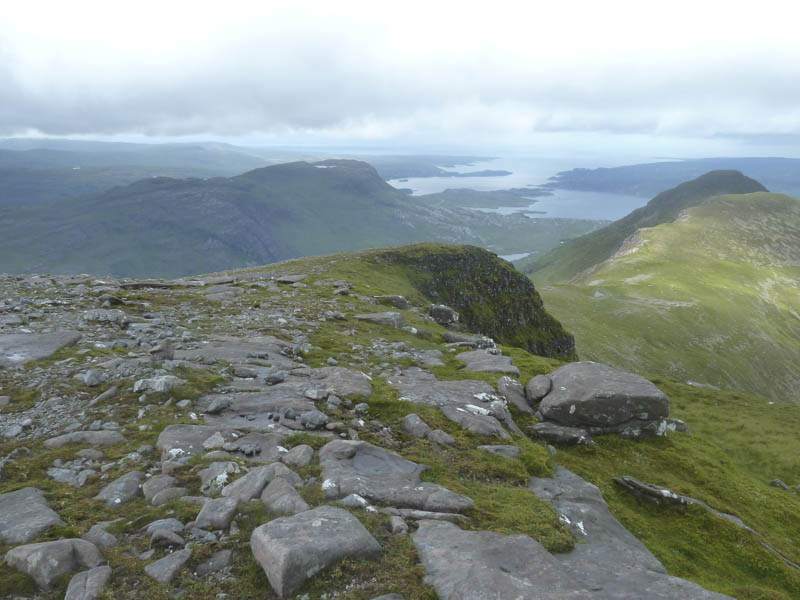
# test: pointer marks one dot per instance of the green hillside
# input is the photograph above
(711, 298)
(577, 255)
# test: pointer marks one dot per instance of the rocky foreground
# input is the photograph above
(294, 432)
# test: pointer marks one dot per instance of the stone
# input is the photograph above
(100, 537)
(165, 569)
(357, 467)
(87, 438)
(281, 497)
(24, 515)
(293, 549)
(388, 319)
(99, 315)
(593, 394)
(181, 440)
(474, 341)
(508, 451)
(162, 383)
(90, 378)
(441, 437)
(20, 348)
(313, 419)
(219, 561)
(394, 300)
(487, 362)
(164, 538)
(560, 434)
(156, 484)
(538, 387)
(46, 561)
(73, 477)
(218, 404)
(291, 278)
(442, 314)
(163, 351)
(397, 525)
(170, 524)
(299, 456)
(414, 426)
(88, 585)
(390, 597)
(122, 490)
(166, 495)
(217, 513)
(216, 476)
(252, 484)
(214, 441)
(514, 393)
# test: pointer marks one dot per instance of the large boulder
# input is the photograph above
(593, 394)
(88, 585)
(356, 467)
(46, 561)
(20, 348)
(122, 490)
(293, 549)
(24, 514)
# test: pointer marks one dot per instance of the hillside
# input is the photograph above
(306, 430)
(172, 227)
(577, 255)
(710, 298)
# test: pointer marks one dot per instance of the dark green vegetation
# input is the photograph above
(646, 180)
(491, 296)
(738, 444)
(163, 227)
(579, 254)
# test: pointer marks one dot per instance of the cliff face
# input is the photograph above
(490, 295)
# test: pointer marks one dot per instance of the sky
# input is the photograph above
(445, 74)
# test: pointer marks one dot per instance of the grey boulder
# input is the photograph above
(388, 319)
(560, 434)
(122, 490)
(88, 585)
(374, 473)
(46, 561)
(593, 394)
(538, 387)
(514, 393)
(281, 497)
(299, 456)
(217, 513)
(165, 569)
(87, 438)
(293, 549)
(20, 348)
(442, 314)
(24, 514)
(487, 362)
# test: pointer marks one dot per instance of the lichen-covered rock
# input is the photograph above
(88, 585)
(293, 549)
(281, 497)
(47, 561)
(24, 514)
(122, 490)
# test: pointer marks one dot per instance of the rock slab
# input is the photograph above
(293, 549)
(20, 348)
(46, 561)
(24, 514)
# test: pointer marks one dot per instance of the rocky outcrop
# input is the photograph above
(24, 515)
(21, 348)
(491, 297)
(47, 561)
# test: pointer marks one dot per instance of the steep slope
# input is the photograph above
(171, 227)
(225, 338)
(712, 297)
(577, 255)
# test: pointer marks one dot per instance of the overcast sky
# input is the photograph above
(427, 72)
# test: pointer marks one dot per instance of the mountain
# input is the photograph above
(170, 227)
(647, 179)
(711, 297)
(577, 255)
(273, 433)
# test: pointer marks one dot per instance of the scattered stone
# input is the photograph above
(293, 549)
(538, 387)
(781, 485)
(219, 561)
(441, 437)
(163, 351)
(473, 341)
(164, 538)
(396, 301)
(46, 561)
(487, 362)
(162, 383)
(299, 456)
(165, 569)
(291, 278)
(397, 525)
(356, 467)
(156, 484)
(313, 419)
(88, 585)
(20, 348)
(87, 438)
(252, 484)
(218, 404)
(107, 395)
(214, 441)
(90, 378)
(560, 434)
(114, 317)
(100, 537)
(513, 392)
(414, 426)
(170, 524)
(388, 319)
(24, 515)
(122, 490)
(282, 498)
(442, 314)
(217, 513)
(503, 450)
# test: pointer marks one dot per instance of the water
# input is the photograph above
(531, 172)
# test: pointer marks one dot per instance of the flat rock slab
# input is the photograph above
(88, 585)
(560, 434)
(24, 514)
(487, 362)
(165, 569)
(472, 404)
(20, 348)
(217, 513)
(253, 483)
(374, 473)
(46, 561)
(258, 350)
(514, 393)
(176, 441)
(293, 549)
(388, 319)
(593, 394)
(86, 438)
(123, 489)
(609, 558)
(281, 497)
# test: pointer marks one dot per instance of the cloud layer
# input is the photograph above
(460, 71)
